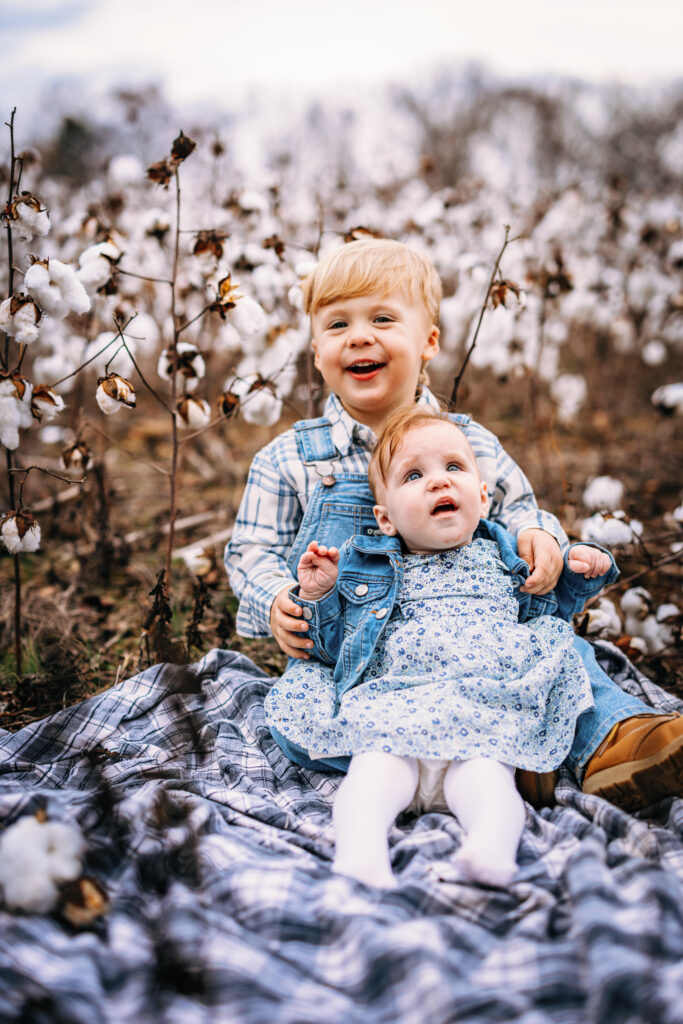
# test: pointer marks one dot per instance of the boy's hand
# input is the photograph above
(317, 571)
(287, 625)
(542, 554)
(588, 561)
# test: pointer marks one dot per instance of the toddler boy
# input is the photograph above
(374, 313)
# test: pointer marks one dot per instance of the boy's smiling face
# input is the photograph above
(434, 496)
(370, 349)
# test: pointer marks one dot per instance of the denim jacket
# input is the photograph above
(345, 624)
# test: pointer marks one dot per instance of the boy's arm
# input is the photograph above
(541, 540)
(265, 529)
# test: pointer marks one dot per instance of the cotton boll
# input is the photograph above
(19, 317)
(654, 353)
(569, 391)
(194, 413)
(56, 288)
(669, 398)
(189, 361)
(604, 492)
(27, 217)
(46, 404)
(609, 532)
(19, 531)
(36, 857)
(114, 392)
(261, 407)
(248, 317)
(15, 408)
(125, 169)
(96, 265)
(601, 620)
(636, 602)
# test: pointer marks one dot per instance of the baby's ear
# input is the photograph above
(383, 521)
(484, 497)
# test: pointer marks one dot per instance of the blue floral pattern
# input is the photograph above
(454, 675)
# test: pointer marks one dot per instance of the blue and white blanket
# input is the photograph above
(215, 852)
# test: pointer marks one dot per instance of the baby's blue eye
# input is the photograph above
(413, 475)
(453, 467)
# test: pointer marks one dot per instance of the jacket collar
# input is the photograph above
(383, 545)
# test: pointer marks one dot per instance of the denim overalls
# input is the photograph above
(340, 507)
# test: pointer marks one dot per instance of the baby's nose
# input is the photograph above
(438, 480)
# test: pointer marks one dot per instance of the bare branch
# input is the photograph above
(456, 383)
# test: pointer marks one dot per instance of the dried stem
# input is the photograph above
(9, 455)
(456, 383)
(140, 373)
(174, 387)
(144, 277)
(48, 472)
(194, 319)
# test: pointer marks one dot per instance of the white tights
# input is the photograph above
(480, 793)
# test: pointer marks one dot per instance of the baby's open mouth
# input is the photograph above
(444, 506)
(363, 369)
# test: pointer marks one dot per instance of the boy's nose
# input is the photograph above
(360, 334)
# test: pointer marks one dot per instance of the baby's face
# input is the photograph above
(434, 496)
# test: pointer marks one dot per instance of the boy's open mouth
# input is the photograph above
(364, 369)
(444, 506)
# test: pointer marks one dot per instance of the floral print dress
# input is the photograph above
(454, 675)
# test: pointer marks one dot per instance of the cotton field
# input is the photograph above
(154, 331)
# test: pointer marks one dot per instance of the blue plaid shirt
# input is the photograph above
(279, 486)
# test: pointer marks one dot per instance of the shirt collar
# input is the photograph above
(345, 430)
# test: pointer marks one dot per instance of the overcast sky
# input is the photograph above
(213, 50)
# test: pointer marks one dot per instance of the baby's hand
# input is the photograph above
(317, 571)
(588, 561)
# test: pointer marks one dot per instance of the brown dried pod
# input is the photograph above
(228, 404)
(18, 301)
(160, 173)
(82, 902)
(183, 145)
(77, 456)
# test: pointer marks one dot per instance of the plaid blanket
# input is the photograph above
(215, 854)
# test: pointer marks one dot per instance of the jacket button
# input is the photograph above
(308, 614)
(381, 613)
(362, 589)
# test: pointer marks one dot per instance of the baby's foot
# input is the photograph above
(377, 874)
(475, 866)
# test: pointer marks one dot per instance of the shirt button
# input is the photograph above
(362, 589)
(308, 614)
(381, 613)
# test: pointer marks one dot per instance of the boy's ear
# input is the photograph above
(431, 344)
(316, 359)
(384, 522)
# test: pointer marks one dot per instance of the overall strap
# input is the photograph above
(314, 440)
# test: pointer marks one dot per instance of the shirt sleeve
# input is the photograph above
(512, 499)
(266, 527)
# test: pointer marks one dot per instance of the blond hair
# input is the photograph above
(393, 432)
(372, 265)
